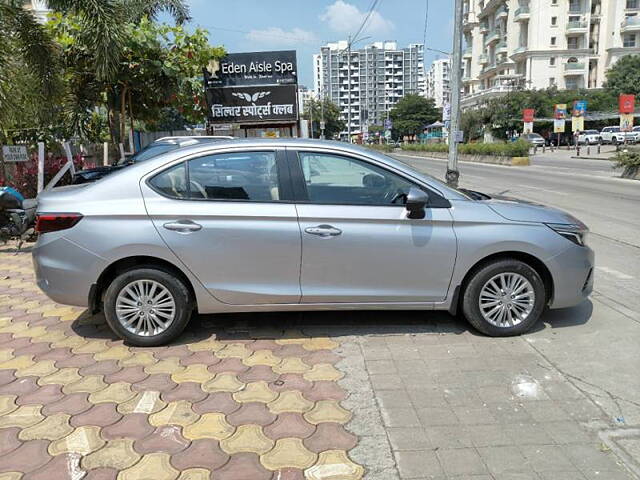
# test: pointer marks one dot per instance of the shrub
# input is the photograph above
(25, 175)
(512, 149)
(380, 147)
(629, 160)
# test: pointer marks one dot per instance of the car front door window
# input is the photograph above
(339, 180)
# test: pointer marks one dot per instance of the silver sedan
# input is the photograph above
(261, 225)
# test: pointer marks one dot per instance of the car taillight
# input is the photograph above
(54, 222)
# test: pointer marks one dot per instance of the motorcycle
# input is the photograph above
(17, 216)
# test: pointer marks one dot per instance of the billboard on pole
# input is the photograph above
(627, 103)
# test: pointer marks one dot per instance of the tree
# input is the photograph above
(331, 114)
(27, 53)
(412, 113)
(159, 67)
(624, 76)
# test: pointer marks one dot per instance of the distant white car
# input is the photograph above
(589, 137)
(614, 136)
(534, 139)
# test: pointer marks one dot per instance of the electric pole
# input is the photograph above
(453, 174)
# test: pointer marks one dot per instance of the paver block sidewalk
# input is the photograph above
(254, 402)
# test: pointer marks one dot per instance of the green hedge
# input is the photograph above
(512, 149)
(628, 158)
(381, 148)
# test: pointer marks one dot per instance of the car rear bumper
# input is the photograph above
(64, 271)
(572, 272)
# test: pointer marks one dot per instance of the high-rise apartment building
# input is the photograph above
(535, 44)
(438, 82)
(376, 77)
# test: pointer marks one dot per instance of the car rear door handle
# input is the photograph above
(183, 226)
(323, 231)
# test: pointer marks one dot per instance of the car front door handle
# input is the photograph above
(323, 231)
(183, 226)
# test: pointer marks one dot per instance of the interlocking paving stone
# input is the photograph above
(134, 425)
(209, 425)
(27, 457)
(288, 453)
(335, 463)
(290, 401)
(72, 404)
(51, 428)
(175, 413)
(158, 382)
(8, 440)
(100, 415)
(117, 454)
(163, 439)
(330, 436)
(289, 424)
(251, 413)
(154, 465)
(243, 466)
(202, 453)
(131, 374)
(42, 396)
(290, 381)
(247, 438)
(217, 402)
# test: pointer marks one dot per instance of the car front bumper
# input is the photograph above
(572, 272)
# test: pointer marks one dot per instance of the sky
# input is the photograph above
(306, 25)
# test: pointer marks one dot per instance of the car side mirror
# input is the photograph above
(416, 202)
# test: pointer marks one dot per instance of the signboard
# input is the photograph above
(222, 126)
(558, 126)
(528, 128)
(388, 124)
(14, 153)
(577, 124)
(579, 108)
(322, 125)
(527, 115)
(446, 112)
(459, 136)
(627, 103)
(252, 104)
(626, 122)
(253, 68)
(560, 112)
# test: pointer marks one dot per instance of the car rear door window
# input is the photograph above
(251, 176)
(172, 182)
(339, 180)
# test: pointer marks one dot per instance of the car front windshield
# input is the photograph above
(148, 152)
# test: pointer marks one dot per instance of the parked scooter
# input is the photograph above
(17, 216)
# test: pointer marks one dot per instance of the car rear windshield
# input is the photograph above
(149, 152)
(591, 132)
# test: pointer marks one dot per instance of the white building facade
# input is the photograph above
(374, 79)
(438, 82)
(535, 44)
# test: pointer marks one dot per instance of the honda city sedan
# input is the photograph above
(294, 225)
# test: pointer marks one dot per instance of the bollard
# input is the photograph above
(588, 150)
(599, 145)
(535, 149)
(577, 150)
(544, 148)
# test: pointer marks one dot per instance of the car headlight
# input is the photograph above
(572, 232)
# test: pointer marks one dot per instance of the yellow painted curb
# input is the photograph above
(520, 161)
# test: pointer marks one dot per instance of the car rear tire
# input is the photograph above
(504, 298)
(147, 307)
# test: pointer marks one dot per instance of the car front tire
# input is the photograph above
(147, 306)
(504, 298)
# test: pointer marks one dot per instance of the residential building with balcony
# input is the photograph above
(371, 81)
(535, 44)
(438, 81)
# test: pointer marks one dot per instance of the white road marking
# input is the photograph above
(73, 466)
(147, 402)
(615, 273)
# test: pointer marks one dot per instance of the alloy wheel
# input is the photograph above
(145, 308)
(506, 299)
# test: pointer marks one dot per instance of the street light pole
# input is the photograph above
(453, 174)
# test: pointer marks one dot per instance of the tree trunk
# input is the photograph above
(123, 113)
(131, 120)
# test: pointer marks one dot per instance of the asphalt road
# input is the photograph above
(597, 342)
